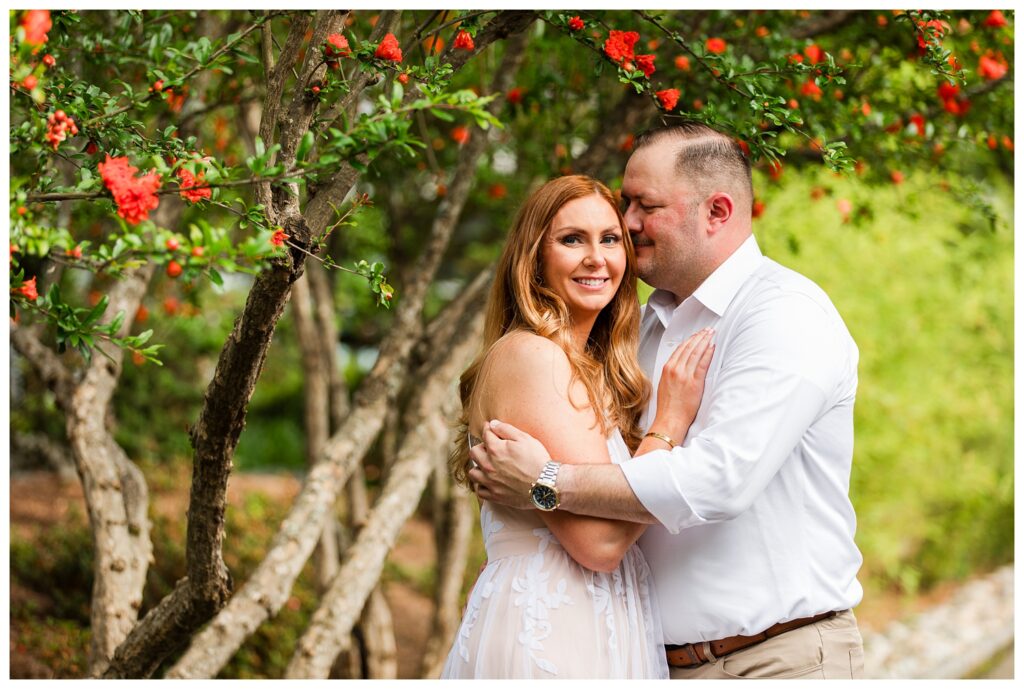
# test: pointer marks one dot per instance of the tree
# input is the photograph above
(356, 131)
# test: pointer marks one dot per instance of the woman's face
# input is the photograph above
(583, 257)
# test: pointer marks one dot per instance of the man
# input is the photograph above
(752, 546)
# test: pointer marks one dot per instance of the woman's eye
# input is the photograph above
(611, 239)
(571, 239)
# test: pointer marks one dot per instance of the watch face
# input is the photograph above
(544, 497)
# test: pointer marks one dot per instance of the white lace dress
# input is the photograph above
(535, 613)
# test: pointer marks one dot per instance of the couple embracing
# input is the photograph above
(699, 530)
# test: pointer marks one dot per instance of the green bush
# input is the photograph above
(925, 285)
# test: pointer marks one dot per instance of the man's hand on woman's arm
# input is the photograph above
(509, 461)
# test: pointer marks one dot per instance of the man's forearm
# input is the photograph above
(600, 490)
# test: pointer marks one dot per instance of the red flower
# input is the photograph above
(575, 24)
(796, 57)
(141, 314)
(992, 143)
(337, 46)
(683, 63)
(134, 196)
(58, 124)
(74, 253)
(646, 64)
(744, 146)
(775, 170)
(619, 45)
(388, 49)
(28, 290)
(668, 98)
(992, 67)
(896, 176)
(279, 237)
(627, 143)
(460, 135)
(463, 41)
(918, 121)
(715, 45)
(1007, 142)
(172, 244)
(49, 60)
(190, 180)
(515, 96)
(933, 29)
(995, 19)
(171, 306)
(36, 24)
(30, 82)
(947, 91)
(497, 191)
(197, 251)
(762, 31)
(811, 89)
(814, 54)
(403, 78)
(757, 210)
(956, 107)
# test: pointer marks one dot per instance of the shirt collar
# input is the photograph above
(718, 290)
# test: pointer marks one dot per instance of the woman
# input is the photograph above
(564, 595)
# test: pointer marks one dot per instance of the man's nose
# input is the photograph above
(632, 218)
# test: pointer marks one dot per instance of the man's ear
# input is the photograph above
(720, 207)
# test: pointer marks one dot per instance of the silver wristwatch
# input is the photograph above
(543, 491)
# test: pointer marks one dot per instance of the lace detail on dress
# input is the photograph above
(537, 602)
(535, 612)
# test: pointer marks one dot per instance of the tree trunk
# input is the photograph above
(429, 432)
(115, 491)
(451, 570)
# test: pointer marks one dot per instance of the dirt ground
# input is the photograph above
(40, 500)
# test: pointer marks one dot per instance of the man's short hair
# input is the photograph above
(705, 157)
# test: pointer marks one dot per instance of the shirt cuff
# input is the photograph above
(653, 480)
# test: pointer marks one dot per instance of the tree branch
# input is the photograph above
(429, 433)
(154, 94)
(828, 21)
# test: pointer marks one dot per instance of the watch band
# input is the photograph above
(549, 473)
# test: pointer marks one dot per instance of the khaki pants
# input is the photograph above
(829, 649)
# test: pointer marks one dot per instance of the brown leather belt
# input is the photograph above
(692, 655)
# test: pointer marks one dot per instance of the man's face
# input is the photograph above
(662, 218)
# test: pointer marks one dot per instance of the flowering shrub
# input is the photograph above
(668, 98)
(135, 196)
(463, 41)
(389, 49)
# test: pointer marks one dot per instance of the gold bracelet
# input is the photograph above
(660, 436)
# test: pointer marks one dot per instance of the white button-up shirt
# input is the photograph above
(756, 521)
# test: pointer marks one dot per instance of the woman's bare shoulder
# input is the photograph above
(521, 347)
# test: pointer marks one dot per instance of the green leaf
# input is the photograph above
(442, 115)
(304, 146)
(97, 311)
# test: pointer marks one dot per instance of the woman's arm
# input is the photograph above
(529, 384)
